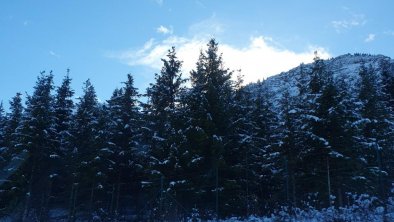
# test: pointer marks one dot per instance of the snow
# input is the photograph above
(343, 67)
(106, 150)
(359, 178)
(196, 159)
(314, 118)
(335, 154)
(52, 175)
(54, 156)
(158, 138)
(217, 138)
(293, 111)
(364, 208)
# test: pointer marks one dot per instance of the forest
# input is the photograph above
(203, 147)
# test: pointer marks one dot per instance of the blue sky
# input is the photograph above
(105, 40)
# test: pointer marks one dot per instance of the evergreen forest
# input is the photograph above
(203, 147)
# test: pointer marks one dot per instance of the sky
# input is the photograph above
(105, 40)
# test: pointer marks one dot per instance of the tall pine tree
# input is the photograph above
(63, 111)
(123, 152)
(38, 138)
(167, 158)
(209, 104)
(85, 154)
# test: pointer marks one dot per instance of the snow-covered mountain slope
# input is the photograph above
(345, 67)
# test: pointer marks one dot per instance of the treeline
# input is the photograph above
(215, 149)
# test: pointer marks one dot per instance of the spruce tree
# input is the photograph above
(387, 82)
(3, 148)
(320, 100)
(85, 154)
(14, 181)
(167, 159)
(266, 162)
(38, 139)
(14, 119)
(345, 158)
(63, 111)
(123, 144)
(375, 129)
(289, 145)
(208, 104)
(241, 156)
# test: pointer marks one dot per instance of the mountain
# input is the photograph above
(344, 67)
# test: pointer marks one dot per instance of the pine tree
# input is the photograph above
(13, 179)
(317, 100)
(63, 110)
(38, 137)
(165, 120)
(4, 159)
(375, 128)
(3, 149)
(301, 114)
(14, 119)
(266, 162)
(64, 106)
(387, 82)
(345, 162)
(289, 143)
(123, 144)
(85, 157)
(241, 156)
(208, 104)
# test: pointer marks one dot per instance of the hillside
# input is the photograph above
(345, 67)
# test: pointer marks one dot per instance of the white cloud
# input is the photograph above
(159, 2)
(164, 30)
(260, 59)
(370, 38)
(354, 21)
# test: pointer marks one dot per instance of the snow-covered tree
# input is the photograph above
(38, 137)
(122, 151)
(13, 184)
(290, 143)
(375, 128)
(167, 157)
(85, 154)
(209, 112)
(3, 148)
(63, 111)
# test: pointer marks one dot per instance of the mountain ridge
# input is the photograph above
(344, 67)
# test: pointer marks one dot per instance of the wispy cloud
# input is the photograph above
(353, 20)
(159, 2)
(260, 59)
(370, 37)
(207, 28)
(164, 30)
(52, 53)
(200, 4)
(389, 32)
